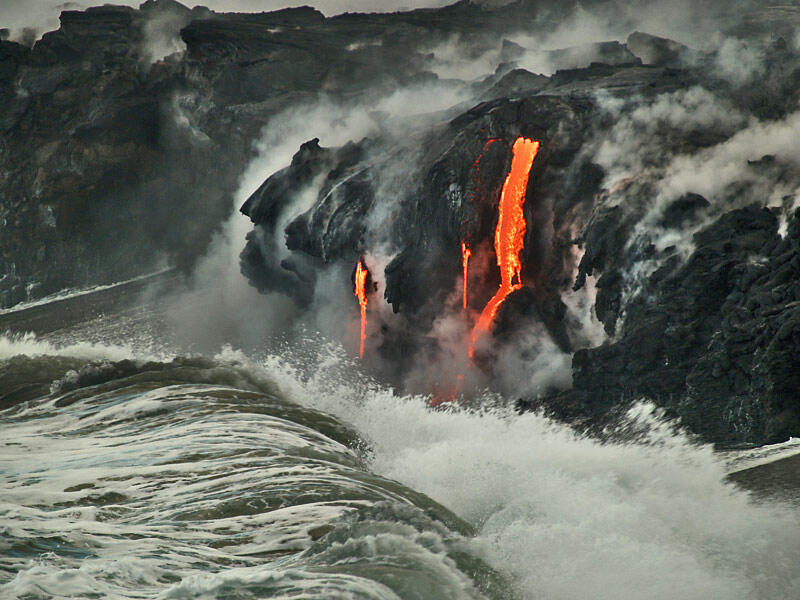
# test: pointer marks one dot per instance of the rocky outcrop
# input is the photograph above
(711, 339)
(450, 196)
(654, 50)
(118, 155)
(708, 335)
(99, 172)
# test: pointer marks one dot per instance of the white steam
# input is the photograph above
(644, 132)
(567, 516)
(532, 365)
(711, 171)
(584, 328)
(645, 145)
(454, 59)
(739, 61)
(220, 305)
(162, 36)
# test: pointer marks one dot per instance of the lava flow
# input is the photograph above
(509, 237)
(444, 394)
(465, 254)
(361, 293)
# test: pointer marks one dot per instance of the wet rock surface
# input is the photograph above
(707, 334)
(711, 338)
(123, 134)
(97, 171)
(115, 159)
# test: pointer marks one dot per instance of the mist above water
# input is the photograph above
(564, 515)
(567, 515)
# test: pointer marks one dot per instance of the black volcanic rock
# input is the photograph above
(658, 51)
(100, 148)
(266, 202)
(102, 33)
(713, 339)
(119, 153)
(99, 144)
(674, 334)
(684, 208)
(510, 51)
(95, 161)
(752, 360)
(448, 195)
(605, 53)
(517, 82)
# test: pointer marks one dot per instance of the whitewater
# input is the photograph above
(290, 474)
(143, 457)
(143, 454)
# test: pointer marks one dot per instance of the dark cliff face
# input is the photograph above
(703, 328)
(712, 338)
(114, 161)
(99, 174)
(117, 158)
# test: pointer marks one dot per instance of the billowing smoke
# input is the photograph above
(161, 33)
(731, 160)
(403, 174)
(228, 308)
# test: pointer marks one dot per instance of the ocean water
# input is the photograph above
(127, 473)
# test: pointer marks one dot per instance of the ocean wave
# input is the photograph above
(284, 475)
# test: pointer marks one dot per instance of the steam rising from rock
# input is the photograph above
(660, 127)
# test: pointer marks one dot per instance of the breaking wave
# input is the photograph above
(291, 475)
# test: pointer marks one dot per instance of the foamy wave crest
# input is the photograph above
(29, 344)
(569, 516)
(194, 479)
(291, 474)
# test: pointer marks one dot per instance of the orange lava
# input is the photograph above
(443, 394)
(509, 237)
(361, 294)
(486, 146)
(465, 254)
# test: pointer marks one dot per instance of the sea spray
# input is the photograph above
(569, 516)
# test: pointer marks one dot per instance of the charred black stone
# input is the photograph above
(653, 50)
(683, 209)
(713, 338)
(102, 149)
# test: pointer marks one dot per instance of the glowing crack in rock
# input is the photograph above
(465, 255)
(361, 293)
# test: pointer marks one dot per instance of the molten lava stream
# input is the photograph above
(465, 254)
(509, 237)
(442, 394)
(361, 294)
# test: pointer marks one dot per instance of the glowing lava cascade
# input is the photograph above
(465, 254)
(361, 293)
(509, 237)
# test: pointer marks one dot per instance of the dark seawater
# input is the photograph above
(191, 477)
(128, 472)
